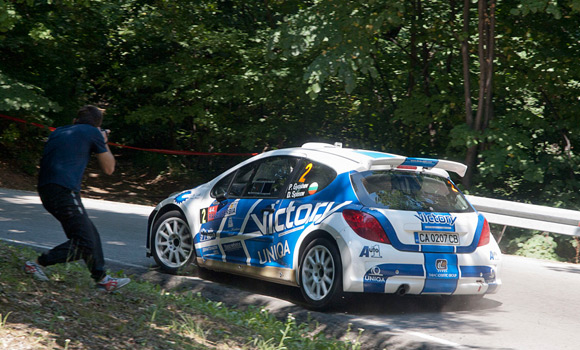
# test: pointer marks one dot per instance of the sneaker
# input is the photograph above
(32, 268)
(111, 284)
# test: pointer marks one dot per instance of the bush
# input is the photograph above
(540, 246)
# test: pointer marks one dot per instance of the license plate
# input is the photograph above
(436, 238)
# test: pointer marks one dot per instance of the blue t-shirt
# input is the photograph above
(67, 153)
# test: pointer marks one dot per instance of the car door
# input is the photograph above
(242, 218)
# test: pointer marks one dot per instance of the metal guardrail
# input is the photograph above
(528, 216)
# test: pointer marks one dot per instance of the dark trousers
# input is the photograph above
(83, 242)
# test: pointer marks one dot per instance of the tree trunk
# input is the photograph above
(413, 50)
(465, 59)
(486, 45)
(471, 153)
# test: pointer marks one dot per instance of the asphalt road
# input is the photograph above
(537, 308)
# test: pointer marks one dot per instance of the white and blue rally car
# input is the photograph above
(329, 220)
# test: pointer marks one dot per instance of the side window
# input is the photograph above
(221, 187)
(241, 180)
(266, 179)
(271, 177)
(312, 177)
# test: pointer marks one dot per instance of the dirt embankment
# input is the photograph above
(127, 184)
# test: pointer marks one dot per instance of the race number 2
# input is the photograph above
(308, 168)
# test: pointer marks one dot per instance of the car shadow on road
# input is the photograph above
(570, 269)
(354, 303)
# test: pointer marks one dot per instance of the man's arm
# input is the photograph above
(106, 159)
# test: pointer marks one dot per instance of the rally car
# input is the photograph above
(330, 220)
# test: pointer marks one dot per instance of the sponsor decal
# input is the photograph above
(230, 247)
(313, 188)
(441, 265)
(375, 275)
(442, 275)
(211, 211)
(493, 255)
(292, 216)
(206, 235)
(211, 250)
(436, 221)
(371, 252)
(232, 207)
(182, 197)
(274, 252)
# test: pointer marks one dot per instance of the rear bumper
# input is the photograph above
(392, 271)
(412, 279)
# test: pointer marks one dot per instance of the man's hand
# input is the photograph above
(106, 159)
(106, 133)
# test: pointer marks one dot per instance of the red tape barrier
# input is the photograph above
(163, 151)
(26, 122)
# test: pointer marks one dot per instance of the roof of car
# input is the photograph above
(384, 161)
(348, 159)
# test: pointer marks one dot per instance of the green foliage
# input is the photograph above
(535, 6)
(21, 145)
(338, 39)
(17, 96)
(8, 17)
(539, 247)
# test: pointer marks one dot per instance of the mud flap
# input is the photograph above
(442, 273)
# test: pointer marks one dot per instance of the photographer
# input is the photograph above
(65, 157)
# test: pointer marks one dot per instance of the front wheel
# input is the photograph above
(172, 242)
(321, 274)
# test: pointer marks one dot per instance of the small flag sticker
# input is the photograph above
(313, 188)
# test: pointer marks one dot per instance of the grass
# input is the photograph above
(68, 313)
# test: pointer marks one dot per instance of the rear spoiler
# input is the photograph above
(425, 163)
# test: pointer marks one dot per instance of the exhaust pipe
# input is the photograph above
(402, 290)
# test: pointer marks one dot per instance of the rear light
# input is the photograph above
(408, 167)
(485, 232)
(365, 225)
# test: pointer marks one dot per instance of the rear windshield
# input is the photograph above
(404, 190)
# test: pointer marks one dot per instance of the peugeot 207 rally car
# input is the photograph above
(330, 220)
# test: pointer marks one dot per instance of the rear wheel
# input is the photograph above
(172, 242)
(321, 274)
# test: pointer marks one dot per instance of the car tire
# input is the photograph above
(172, 242)
(321, 274)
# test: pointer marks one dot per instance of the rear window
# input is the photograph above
(403, 190)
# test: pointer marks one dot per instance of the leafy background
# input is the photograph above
(248, 76)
